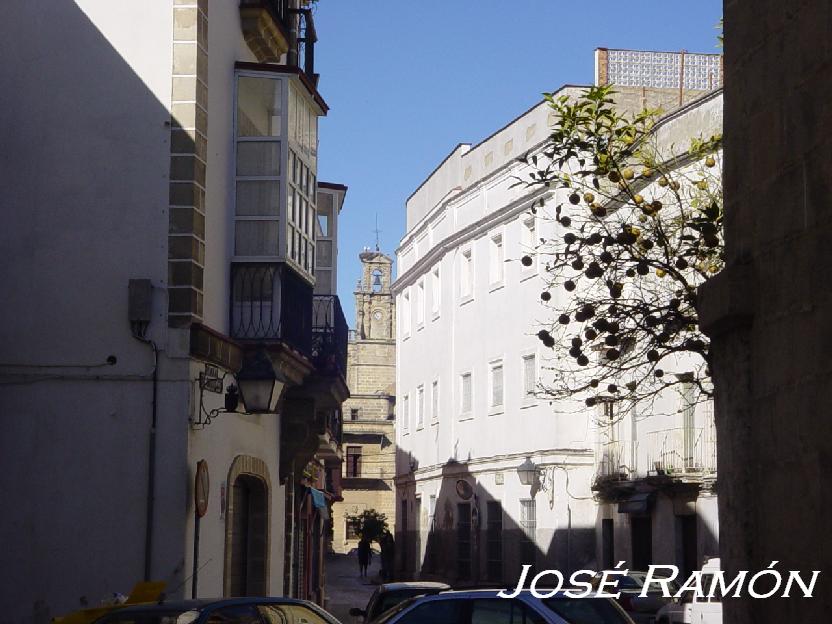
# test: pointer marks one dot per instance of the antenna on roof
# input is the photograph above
(377, 232)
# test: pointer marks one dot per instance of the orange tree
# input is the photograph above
(639, 228)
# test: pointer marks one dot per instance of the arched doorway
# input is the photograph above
(247, 529)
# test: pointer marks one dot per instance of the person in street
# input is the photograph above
(387, 556)
(365, 555)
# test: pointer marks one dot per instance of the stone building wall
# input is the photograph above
(368, 413)
(768, 312)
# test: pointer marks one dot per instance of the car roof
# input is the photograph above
(412, 585)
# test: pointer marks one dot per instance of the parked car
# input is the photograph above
(486, 607)
(388, 595)
(222, 611)
(693, 610)
(641, 609)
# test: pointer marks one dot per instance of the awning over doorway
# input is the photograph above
(637, 503)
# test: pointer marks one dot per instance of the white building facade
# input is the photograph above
(468, 367)
(470, 409)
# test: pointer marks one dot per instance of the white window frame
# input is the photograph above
(404, 413)
(434, 401)
(527, 247)
(420, 304)
(496, 408)
(436, 292)
(406, 312)
(420, 406)
(280, 253)
(466, 275)
(463, 413)
(527, 400)
(496, 260)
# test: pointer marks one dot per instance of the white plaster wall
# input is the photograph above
(228, 436)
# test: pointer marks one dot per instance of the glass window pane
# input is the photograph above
(258, 106)
(258, 198)
(258, 158)
(255, 238)
(325, 253)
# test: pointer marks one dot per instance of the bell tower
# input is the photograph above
(374, 309)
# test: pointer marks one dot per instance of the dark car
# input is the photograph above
(222, 611)
(389, 595)
(486, 607)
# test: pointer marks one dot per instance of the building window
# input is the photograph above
(420, 303)
(406, 313)
(405, 415)
(431, 511)
(466, 393)
(494, 540)
(350, 531)
(436, 291)
(529, 376)
(258, 170)
(495, 272)
(420, 407)
(466, 275)
(434, 401)
(496, 384)
(353, 461)
(354, 412)
(528, 243)
(528, 524)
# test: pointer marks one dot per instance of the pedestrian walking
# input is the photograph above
(365, 555)
(387, 556)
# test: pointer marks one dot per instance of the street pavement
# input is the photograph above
(345, 588)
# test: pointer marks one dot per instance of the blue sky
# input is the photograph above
(406, 80)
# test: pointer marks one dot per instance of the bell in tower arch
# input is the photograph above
(376, 281)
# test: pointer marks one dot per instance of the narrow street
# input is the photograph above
(345, 589)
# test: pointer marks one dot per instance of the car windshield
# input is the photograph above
(390, 613)
(151, 616)
(586, 610)
(390, 599)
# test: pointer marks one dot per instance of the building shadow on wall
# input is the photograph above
(467, 534)
(80, 127)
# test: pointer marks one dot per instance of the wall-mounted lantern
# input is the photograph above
(259, 384)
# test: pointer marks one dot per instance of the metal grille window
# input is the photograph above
(466, 393)
(529, 376)
(350, 531)
(354, 413)
(420, 414)
(353, 461)
(494, 540)
(497, 384)
(528, 524)
(434, 399)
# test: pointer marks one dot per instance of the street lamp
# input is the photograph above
(527, 472)
(258, 381)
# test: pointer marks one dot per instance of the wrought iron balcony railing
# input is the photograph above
(329, 335)
(681, 451)
(612, 460)
(269, 302)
